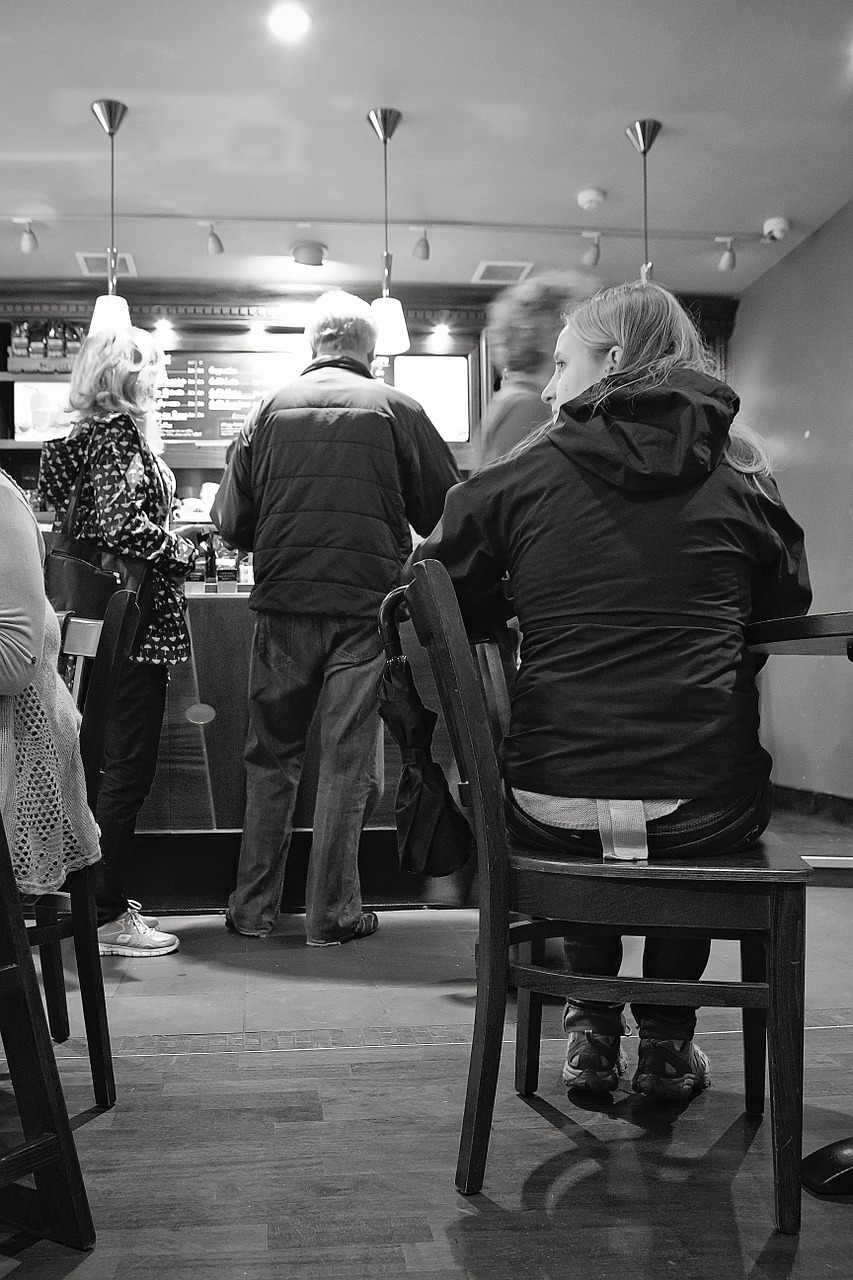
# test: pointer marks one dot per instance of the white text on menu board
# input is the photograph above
(206, 400)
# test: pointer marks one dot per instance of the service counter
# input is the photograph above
(188, 833)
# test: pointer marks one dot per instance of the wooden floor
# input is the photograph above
(293, 1112)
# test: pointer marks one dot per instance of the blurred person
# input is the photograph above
(523, 324)
(48, 824)
(325, 480)
(641, 531)
(124, 506)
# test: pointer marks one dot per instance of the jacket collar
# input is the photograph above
(339, 362)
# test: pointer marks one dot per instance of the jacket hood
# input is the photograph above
(666, 437)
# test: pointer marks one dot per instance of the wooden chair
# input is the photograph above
(98, 650)
(58, 1207)
(757, 898)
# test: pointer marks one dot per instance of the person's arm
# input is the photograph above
(118, 480)
(465, 542)
(233, 510)
(22, 600)
(780, 586)
(429, 470)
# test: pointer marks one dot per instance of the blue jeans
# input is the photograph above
(698, 828)
(304, 665)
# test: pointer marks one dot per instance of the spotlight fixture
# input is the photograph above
(111, 311)
(728, 261)
(590, 198)
(309, 252)
(214, 242)
(29, 243)
(642, 134)
(393, 337)
(592, 253)
(421, 249)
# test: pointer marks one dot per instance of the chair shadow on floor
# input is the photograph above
(640, 1197)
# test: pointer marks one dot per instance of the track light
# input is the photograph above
(214, 243)
(590, 198)
(728, 261)
(421, 249)
(592, 253)
(29, 243)
(309, 253)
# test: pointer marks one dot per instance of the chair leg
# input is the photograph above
(485, 1064)
(753, 968)
(786, 1014)
(53, 978)
(528, 1030)
(84, 920)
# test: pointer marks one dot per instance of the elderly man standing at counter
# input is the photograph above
(324, 482)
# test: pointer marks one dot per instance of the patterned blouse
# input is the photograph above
(124, 506)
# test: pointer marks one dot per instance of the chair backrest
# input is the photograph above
(474, 729)
(100, 648)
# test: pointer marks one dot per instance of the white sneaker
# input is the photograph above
(131, 936)
(153, 922)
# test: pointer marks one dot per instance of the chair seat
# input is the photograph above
(771, 860)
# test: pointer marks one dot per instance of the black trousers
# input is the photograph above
(698, 828)
(130, 762)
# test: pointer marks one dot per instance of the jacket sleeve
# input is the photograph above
(780, 586)
(233, 511)
(471, 555)
(118, 481)
(428, 470)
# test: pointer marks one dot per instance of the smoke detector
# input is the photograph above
(590, 198)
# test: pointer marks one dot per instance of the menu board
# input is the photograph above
(208, 394)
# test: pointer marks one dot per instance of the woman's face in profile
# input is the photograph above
(576, 367)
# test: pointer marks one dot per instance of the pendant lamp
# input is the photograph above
(393, 337)
(111, 311)
(642, 134)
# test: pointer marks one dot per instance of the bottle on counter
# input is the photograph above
(210, 563)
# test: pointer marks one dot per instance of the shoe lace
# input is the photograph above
(139, 924)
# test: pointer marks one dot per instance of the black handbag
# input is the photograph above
(80, 577)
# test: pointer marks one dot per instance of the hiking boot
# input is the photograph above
(671, 1069)
(367, 923)
(594, 1062)
(131, 936)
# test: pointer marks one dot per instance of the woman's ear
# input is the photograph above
(612, 361)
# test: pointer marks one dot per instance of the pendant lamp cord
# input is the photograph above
(111, 275)
(645, 212)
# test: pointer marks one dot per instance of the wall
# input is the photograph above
(791, 362)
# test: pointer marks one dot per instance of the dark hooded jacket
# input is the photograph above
(323, 485)
(636, 556)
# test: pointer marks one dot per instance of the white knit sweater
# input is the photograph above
(49, 826)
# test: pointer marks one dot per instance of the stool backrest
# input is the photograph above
(100, 649)
(473, 720)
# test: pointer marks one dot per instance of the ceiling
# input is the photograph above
(510, 107)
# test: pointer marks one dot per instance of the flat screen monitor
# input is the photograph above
(41, 409)
(441, 385)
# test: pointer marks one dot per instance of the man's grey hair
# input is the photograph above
(340, 321)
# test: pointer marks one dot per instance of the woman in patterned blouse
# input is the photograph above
(124, 506)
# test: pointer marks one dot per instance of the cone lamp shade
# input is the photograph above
(393, 336)
(111, 311)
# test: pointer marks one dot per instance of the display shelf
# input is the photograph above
(16, 375)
